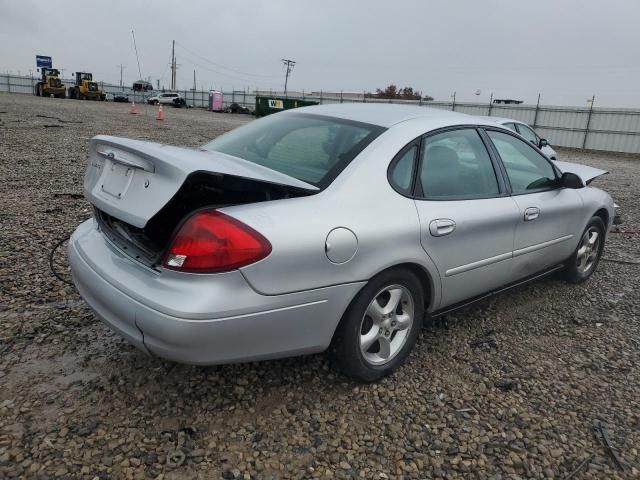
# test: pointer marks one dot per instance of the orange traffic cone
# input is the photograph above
(160, 115)
(133, 108)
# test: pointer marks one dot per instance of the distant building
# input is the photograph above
(142, 86)
(507, 101)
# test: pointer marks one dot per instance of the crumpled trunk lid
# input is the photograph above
(133, 180)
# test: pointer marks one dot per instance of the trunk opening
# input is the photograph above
(199, 190)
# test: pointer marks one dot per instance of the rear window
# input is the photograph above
(311, 148)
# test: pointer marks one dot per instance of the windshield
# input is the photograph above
(311, 148)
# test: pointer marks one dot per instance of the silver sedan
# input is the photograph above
(334, 227)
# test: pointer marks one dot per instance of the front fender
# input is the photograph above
(594, 200)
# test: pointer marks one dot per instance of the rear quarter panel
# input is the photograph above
(360, 199)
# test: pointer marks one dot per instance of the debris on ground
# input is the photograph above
(602, 436)
(74, 196)
(486, 341)
(57, 118)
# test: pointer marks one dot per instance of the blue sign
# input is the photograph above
(43, 62)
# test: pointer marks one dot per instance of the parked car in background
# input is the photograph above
(174, 99)
(237, 108)
(334, 227)
(120, 97)
(527, 132)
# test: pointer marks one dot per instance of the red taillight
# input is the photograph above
(210, 241)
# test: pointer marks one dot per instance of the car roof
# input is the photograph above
(385, 114)
(500, 120)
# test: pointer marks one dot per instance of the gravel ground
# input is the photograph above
(509, 388)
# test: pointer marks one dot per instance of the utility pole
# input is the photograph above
(121, 68)
(173, 66)
(288, 64)
(194, 79)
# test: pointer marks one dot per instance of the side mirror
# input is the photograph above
(571, 180)
(543, 143)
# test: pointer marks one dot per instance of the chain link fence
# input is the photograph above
(593, 128)
(26, 85)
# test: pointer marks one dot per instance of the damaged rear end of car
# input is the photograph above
(182, 240)
(157, 224)
(142, 191)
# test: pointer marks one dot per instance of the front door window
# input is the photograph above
(527, 169)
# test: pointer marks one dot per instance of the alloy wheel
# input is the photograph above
(386, 324)
(588, 250)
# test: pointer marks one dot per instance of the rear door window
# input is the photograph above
(456, 164)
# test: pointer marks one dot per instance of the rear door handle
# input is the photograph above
(441, 226)
(531, 213)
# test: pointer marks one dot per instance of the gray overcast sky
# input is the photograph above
(565, 49)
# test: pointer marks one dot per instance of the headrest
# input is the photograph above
(440, 156)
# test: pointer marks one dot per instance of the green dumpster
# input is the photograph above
(269, 105)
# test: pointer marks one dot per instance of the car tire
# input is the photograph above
(586, 256)
(370, 342)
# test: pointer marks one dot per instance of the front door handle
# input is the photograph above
(531, 213)
(441, 226)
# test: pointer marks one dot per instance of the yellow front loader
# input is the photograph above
(50, 84)
(85, 88)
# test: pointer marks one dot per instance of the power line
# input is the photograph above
(225, 74)
(164, 73)
(223, 66)
(289, 64)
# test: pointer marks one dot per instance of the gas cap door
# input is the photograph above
(341, 245)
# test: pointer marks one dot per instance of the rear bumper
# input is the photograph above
(200, 319)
